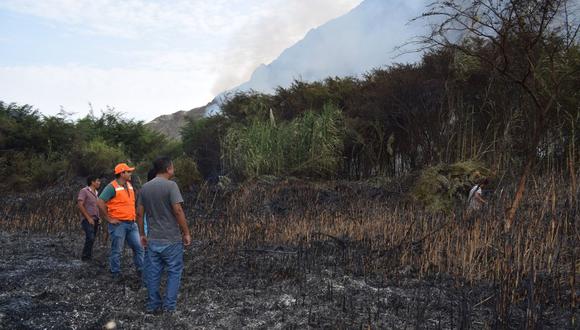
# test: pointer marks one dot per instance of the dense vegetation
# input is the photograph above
(310, 144)
(447, 108)
(504, 95)
(508, 100)
(37, 150)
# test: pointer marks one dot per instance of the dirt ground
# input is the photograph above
(44, 285)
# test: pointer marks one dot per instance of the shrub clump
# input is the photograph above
(27, 171)
(186, 173)
(443, 187)
(96, 157)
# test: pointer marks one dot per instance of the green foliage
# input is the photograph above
(37, 150)
(245, 107)
(186, 173)
(24, 171)
(136, 140)
(96, 157)
(20, 128)
(301, 97)
(201, 141)
(464, 65)
(449, 107)
(310, 145)
(170, 148)
(442, 187)
(59, 134)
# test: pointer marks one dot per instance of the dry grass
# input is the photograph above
(534, 265)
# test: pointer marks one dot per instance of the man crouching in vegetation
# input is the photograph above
(167, 235)
(117, 206)
(475, 200)
(87, 204)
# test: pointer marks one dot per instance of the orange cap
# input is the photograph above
(122, 167)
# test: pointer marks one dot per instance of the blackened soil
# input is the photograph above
(44, 285)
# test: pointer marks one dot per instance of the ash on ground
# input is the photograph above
(44, 285)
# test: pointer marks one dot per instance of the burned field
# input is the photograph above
(44, 286)
(296, 255)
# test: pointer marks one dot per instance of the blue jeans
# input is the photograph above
(126, 230)
(160, 257)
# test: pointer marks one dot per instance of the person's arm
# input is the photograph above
(84, 212)
(81, 205)
(176, 200)
(479, 198)
(180, 216)
(140, 212)
(140, 224)
(106, 195)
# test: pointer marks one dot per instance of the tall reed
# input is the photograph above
(310, 144)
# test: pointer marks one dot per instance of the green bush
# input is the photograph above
(34, 149)
(443, 187)
(201, 141)
(170, 148)
(27, 171)
(186, 173)
(45, 172)
(132, 137)
(310, 145)
(96, 157)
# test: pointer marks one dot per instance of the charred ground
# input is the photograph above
(292, 254)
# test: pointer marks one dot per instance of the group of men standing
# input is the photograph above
(124, 210)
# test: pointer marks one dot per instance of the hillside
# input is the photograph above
(350, 45)
(171, 124)
(365, 38)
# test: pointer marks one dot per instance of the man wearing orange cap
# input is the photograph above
(117, 206)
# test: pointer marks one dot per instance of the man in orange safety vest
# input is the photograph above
(117, 206)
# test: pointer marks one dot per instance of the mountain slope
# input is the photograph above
(171, 124)
(350, 45)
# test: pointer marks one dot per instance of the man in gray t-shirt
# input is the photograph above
(167, 234)
(158, 197)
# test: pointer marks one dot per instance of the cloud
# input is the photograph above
(133, 18)
(140, 93)
(178, 54)
(277, 27)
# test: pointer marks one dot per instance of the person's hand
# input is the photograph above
(144, 241)
(114, 221)
(187, 240)
(91, 221)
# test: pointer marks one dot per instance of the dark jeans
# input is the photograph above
(90, 233)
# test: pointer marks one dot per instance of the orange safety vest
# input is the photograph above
(122, 206)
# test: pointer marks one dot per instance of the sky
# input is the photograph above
(145, 58)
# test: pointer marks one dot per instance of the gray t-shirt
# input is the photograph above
(157, 197)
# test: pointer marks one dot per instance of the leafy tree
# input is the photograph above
(37, 150)
(201, 141)
(528, 44)
(20, 128)
(96, 157)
